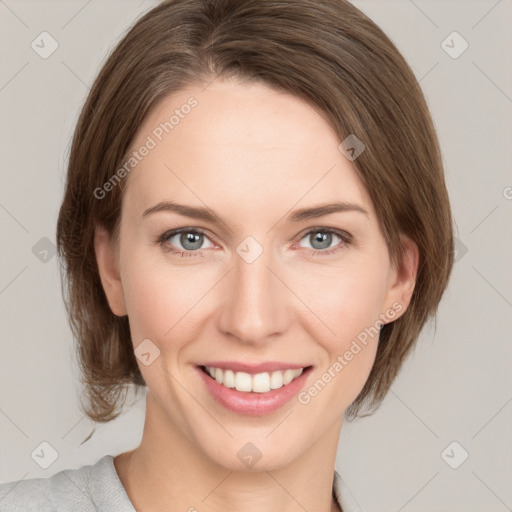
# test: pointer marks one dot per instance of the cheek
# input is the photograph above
(161, 299)
(160, 305)
(346, 300)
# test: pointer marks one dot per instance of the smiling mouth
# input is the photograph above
(253, 383)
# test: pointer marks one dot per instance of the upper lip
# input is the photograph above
(268, 366)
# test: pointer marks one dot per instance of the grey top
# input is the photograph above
(97, 488)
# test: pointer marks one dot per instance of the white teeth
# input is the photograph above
(276, 380)
(229, 379)
(243, 381)
(288, 376)
(261, 382)
(258, 383)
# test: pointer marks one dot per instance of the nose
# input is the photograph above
(256, 306)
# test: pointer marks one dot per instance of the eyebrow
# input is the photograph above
(299, 215)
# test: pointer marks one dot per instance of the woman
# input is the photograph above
(255, 227)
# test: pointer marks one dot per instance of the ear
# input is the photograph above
(402, 280)
(106, 257)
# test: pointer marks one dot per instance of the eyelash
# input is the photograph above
(346, 238)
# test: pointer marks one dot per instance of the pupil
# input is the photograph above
(323, 238)
(190, 238)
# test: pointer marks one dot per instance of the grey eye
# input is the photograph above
(188, 240)
(321, 239)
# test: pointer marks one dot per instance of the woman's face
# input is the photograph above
(260, 280)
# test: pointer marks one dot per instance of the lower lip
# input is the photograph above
(250, 403)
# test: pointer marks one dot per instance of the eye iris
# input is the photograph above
(190, 238)
(324, 238)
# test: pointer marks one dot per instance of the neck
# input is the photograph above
(169, 468)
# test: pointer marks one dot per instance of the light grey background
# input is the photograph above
(457, 384)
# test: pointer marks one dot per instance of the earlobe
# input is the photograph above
(404, 277)
(106, 258)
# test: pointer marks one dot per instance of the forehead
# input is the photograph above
(240, 146)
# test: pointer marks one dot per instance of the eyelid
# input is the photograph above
(346, 237)
(167, 235)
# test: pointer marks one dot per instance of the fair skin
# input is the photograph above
(253, 155)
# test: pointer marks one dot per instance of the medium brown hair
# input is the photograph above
(325, 52)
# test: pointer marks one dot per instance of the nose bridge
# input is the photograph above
(256, 305)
